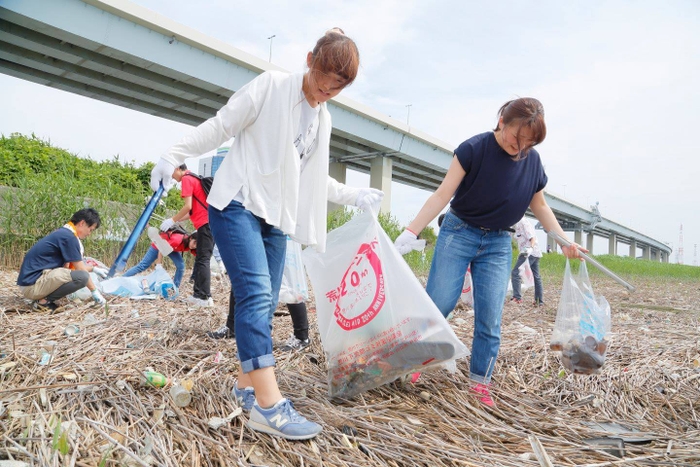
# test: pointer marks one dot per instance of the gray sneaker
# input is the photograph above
(245, 398)
(293, 344)
(282, 420)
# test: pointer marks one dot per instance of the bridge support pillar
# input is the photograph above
(552, 244)
(645, 251)
(653, 254)
(633, 248)
(578, 236)
(589, 242)
(338, 171)
(612, 244)
(380, 178)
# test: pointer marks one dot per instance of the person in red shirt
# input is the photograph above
(195, 208)
(180, 243)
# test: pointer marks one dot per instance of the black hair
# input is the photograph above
(89, 215)
(182, 167)
(186, 241)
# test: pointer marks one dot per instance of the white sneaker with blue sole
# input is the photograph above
(282, 420)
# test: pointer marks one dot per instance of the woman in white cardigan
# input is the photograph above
(273, 182)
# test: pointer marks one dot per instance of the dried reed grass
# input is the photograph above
(650, 382)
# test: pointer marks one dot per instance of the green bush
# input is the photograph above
(45, 185)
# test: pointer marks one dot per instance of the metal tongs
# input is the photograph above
(595, 263)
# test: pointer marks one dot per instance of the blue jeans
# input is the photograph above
(489, 252)
(515, 277)
(151, 256)
(253, 253)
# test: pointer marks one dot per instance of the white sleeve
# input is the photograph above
(340, 193)
(240, 111)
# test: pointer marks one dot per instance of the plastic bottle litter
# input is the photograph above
(180, 395)
(152, 378)
(71, 330)
(45, 358)
(89, 320)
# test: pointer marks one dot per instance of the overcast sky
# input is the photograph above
(618, 80)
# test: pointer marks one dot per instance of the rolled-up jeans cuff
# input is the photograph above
(257, 363)
(478, 379)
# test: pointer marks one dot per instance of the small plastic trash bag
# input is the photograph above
(467, 295)
(527, 279)
(582, 325)
(294, 288)
(376, 321)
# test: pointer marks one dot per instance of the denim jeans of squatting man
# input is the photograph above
(253, 253)
(489, 253)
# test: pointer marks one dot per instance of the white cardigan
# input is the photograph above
(263, 163)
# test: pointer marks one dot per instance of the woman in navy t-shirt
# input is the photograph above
(493, 179)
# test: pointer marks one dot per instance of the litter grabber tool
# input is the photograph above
(594, 262)
(120, 263)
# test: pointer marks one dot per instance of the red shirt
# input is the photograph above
(175, 240)
(191, 186)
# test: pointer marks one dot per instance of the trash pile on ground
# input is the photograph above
(138, 384)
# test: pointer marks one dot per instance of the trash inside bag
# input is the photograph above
(582, 325)
(376, 321)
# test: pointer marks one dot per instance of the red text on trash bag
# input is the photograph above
(360, 295)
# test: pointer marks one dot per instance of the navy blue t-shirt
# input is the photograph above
(497, 190)
(53, 251)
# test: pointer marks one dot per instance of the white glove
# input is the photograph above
(162, 173)
(166, 224)
(97, 296)
(369, 198)
(527, 252)
(102, 272)
(408, 241)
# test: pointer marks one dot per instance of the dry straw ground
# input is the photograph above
(649, 383)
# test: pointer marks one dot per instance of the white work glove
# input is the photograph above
(369, 198)
(166, 224)
(97, 296)
(527, 252)
(408, 241)
(102, 272)
(162, 173)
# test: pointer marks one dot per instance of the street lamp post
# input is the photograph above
(408, 116)
(270, 39)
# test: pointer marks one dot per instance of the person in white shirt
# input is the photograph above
(529, 250)
(273, 182)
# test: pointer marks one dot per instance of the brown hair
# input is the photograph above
(336, 53)
(524, 112)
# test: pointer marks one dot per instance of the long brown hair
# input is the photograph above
(524, 112)
(336, 53)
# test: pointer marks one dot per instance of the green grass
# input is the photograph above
(553, 265)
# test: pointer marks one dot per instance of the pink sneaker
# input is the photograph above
(482, 392)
